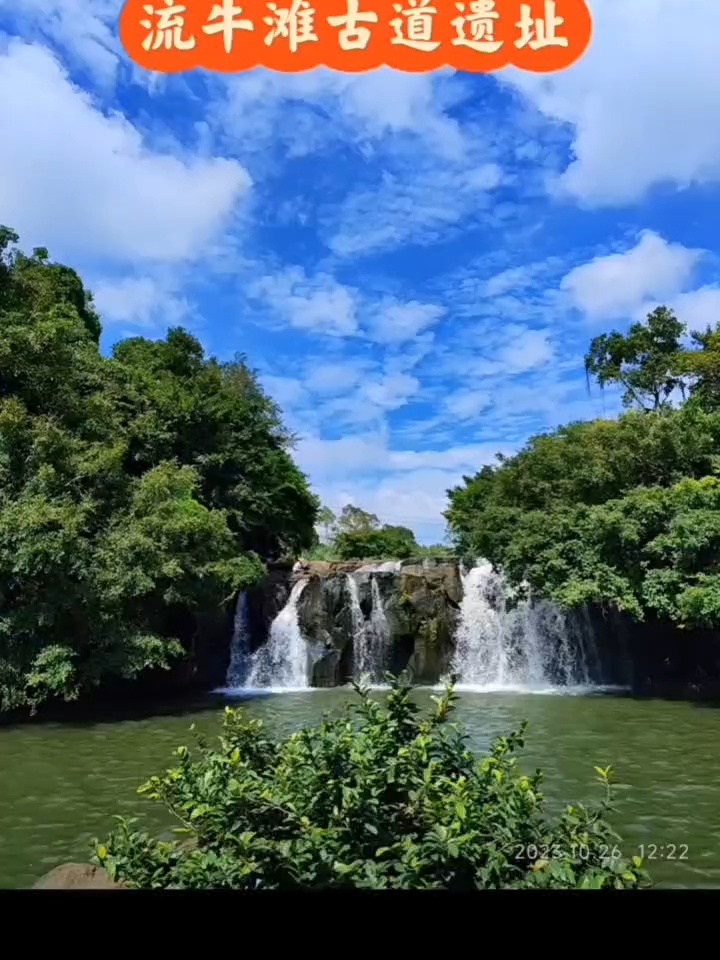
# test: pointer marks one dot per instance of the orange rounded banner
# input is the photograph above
(352, 36)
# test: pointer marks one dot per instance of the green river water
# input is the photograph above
(60, 783)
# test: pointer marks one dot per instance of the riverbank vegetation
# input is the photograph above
(382, 798)
(623, 512)
(143, 488)
(136, 489)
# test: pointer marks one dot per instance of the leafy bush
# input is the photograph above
(381, 798)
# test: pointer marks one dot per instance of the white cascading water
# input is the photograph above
(240, 645)
(380, 631)
(370, 638)
(361, 653)
(527, 648)
(282, 662)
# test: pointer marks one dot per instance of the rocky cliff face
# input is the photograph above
(414, 604)
(655, 658)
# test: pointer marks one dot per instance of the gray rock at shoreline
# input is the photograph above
(77, 876)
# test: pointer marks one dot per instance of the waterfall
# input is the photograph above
(528, 647)
(359, 629)
(281, 663)
(370, 639)
(239, 645)
(380, 631)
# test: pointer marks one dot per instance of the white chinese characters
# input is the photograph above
(225, 19)
(540, 32)
(481, 23)
(167, 30)
(296, 24)
(414, 27)
(162, 27)
(352, 36)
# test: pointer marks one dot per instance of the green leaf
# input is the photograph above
(301, 812)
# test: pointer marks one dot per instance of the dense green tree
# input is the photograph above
(590, 462)
(33, 282)
(654, 550)
(359, 535)
(386, 542)
(701, 367)
(176, 404)
(354, 519)
(326, 525)
(615, 511)
(135, 489)
(438, 550)
(643, 361)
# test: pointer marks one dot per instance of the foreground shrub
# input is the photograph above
(381, 798)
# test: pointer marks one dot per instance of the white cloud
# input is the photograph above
(333, 459)
(366, 464)
(467, 404)
(398, 322)
(616, 286)
(523, 350)
(83, 27)
(85, 184)
(420, 203)
(287, 391)
(416, 500)
(516, 278)
(330, 378)
(642, 100)
(388, 392)
(357, 107)
(146, 302)
(366, 401)
(435, 171)
(391, 101)
(319, 304)
(493, 351)
(698, 308)
(406, 487)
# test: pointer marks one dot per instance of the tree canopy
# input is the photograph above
(643, 361)
(358, 535)
(620, 511)
(135, 488)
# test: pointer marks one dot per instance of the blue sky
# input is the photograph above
(415, 264)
